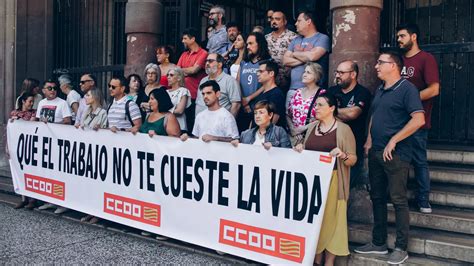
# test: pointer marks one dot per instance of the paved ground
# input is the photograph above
(42, 237)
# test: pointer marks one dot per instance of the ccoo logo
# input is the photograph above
(136, 210)
(269, 242)
(45, 186)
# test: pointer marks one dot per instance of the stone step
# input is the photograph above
(447, 195)
(429, 242)
(451, 175)
(451, 156)
(5, 172)
(413, 260)
(447, 219)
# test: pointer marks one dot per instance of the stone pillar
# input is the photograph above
(356, 36)
(142, 26)
(7, 69)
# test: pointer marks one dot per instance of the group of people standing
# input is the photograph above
(271, 91)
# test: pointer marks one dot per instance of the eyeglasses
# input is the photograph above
(170, 75)
(51, 88)
(337, 72)
(112, 86)
(210, 60)
(84, 81)
(380, 62)
(212, 14)
(151, 73)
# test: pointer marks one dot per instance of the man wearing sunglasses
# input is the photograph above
(88, 82)
(53, 109)
(123, 114)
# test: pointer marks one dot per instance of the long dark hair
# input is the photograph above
(163, 99)
(138, 78)
(23, 97)
(263, 53)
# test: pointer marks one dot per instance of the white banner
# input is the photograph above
(262, 205)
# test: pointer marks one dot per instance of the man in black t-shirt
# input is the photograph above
(353, 102)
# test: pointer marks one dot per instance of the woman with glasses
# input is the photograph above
(164, 54)
(152, 72)
(301, 108)
(265, 133)
(327, 134)
(179, 95)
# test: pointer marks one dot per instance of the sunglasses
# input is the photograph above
(82, 82)
(52, 88)
(170, 75)
(113, 87)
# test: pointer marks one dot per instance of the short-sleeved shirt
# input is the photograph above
(73, 97)
(175, 96)
(117, 115)
(275, 95)
(24, 115)
(218, 41)
(277, 46)
(301, 44)
(390, 111)
(248, 77)
(230, 92)
(54, 111)
(220, 123)
(190, 59)
(359, 96)
(422, 70)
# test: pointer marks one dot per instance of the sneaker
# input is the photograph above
(145, 233)
(371, 249)
(60, 210)
(160, 237)
(425, 207)
(398, 256)
(46, 206)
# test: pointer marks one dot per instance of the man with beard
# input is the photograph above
(214, 123)
(218, 41)
(193, 62)
(231, 55)
(278, 41)
(353, 102)
(420, 68)
(268, 26)
(257, 50)
(229, 95)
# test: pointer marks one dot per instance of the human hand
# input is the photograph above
(114, 129)
(235, 142)
(151, 133)
(387, 152)
(184, 137)
(208, 138)
(267, 145)
(298, 148)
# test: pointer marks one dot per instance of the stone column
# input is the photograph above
(142, 26)
(356, 36)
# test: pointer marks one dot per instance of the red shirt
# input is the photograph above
(189, 59)
(422, 70)
(164, 81)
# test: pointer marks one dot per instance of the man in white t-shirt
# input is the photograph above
(215, 123)
(53, 109)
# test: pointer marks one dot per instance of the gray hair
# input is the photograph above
(219, 9)
(180, 74)
(154, 67)
(317, 69)
(64, 79)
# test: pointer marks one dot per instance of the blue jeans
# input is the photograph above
(420, 165)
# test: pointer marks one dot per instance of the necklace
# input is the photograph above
(329, 130)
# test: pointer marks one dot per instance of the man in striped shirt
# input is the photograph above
(123, 114)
